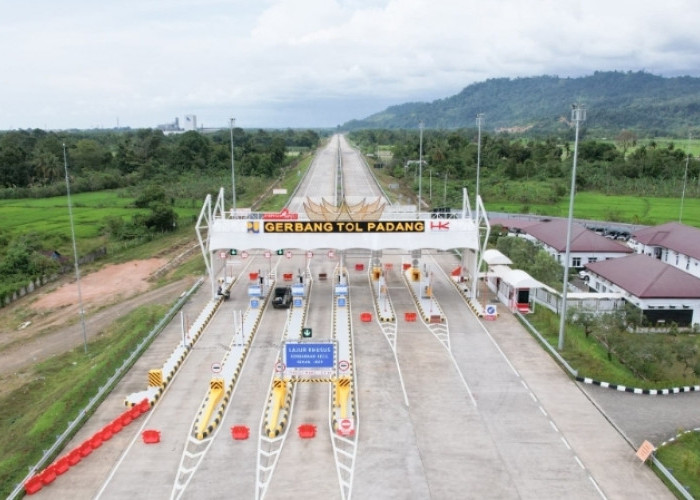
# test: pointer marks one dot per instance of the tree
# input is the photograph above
(585, 318)
(162, 218)
(625, 140)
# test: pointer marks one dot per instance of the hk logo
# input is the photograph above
(439, 226)
(253, 227)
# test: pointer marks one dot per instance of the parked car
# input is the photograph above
(282, 298)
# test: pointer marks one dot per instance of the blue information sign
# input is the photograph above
(309, 355)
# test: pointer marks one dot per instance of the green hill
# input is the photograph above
(639, 101)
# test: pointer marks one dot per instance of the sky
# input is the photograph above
(309, 63)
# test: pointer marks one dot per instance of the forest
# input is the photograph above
(647, 104)
(32, 162)
(537, 170)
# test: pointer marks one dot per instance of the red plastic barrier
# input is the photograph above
(359, 267)
(288, 276)
(74, 457)
(366, 317)
(306, 431)
(151, 436)
(85, 449)
(96, 441)
(240, 432)
(144, 406)
(106, 433)
(406, 266)
(62, 465)
(253, 276)
(48, 476)
(117, 425)
(410, 316)
(33, 485)
(135, 412)
(126, 418)
(388, 266)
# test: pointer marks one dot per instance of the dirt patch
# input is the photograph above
(112, 282)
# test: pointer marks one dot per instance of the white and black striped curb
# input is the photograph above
(670, 441)
(636, 390)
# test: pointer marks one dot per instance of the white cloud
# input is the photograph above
(79, 63)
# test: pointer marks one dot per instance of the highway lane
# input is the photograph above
(358, 181)
(157, 466)
(229, 467)
(320, 180)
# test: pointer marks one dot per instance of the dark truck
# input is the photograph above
(282, 298)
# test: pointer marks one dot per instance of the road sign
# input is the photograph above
(306, 332)
(280, 251)
(233, 251)
(244, 254)
(314, 359)
(309, 254)
(279, 367)
(343, 365)
(222, 255)
(346, 427)
(216, 367)
(288, 254)
(331, 254)
(268, 254)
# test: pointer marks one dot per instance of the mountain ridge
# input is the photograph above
(643, 102)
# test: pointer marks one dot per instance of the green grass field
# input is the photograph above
(629, 209)
(49, 217)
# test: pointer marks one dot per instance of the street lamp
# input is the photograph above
(578, 114)
(479, 119)
(233, 171)
(685, 181)
(75, 250)
(420, 167)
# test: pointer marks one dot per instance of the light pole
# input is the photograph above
(479, 119)
(444, 192)
(685, 180)
(233, 170)
(430, 190)
(75, 250)
(420, 167)
(578, 114)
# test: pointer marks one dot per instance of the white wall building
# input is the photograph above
(673, 243)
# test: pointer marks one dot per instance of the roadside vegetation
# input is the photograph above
(127, 189)
(33, 415)
(626, 180)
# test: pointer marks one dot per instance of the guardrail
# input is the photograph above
(74, 425)
(655, 461)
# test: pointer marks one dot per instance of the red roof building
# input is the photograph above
(673, 243)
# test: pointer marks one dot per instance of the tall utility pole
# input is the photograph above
(420, 167)
(233, 169)
(578, 114)
(685, 181)
(479, 119)
(75, 250)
